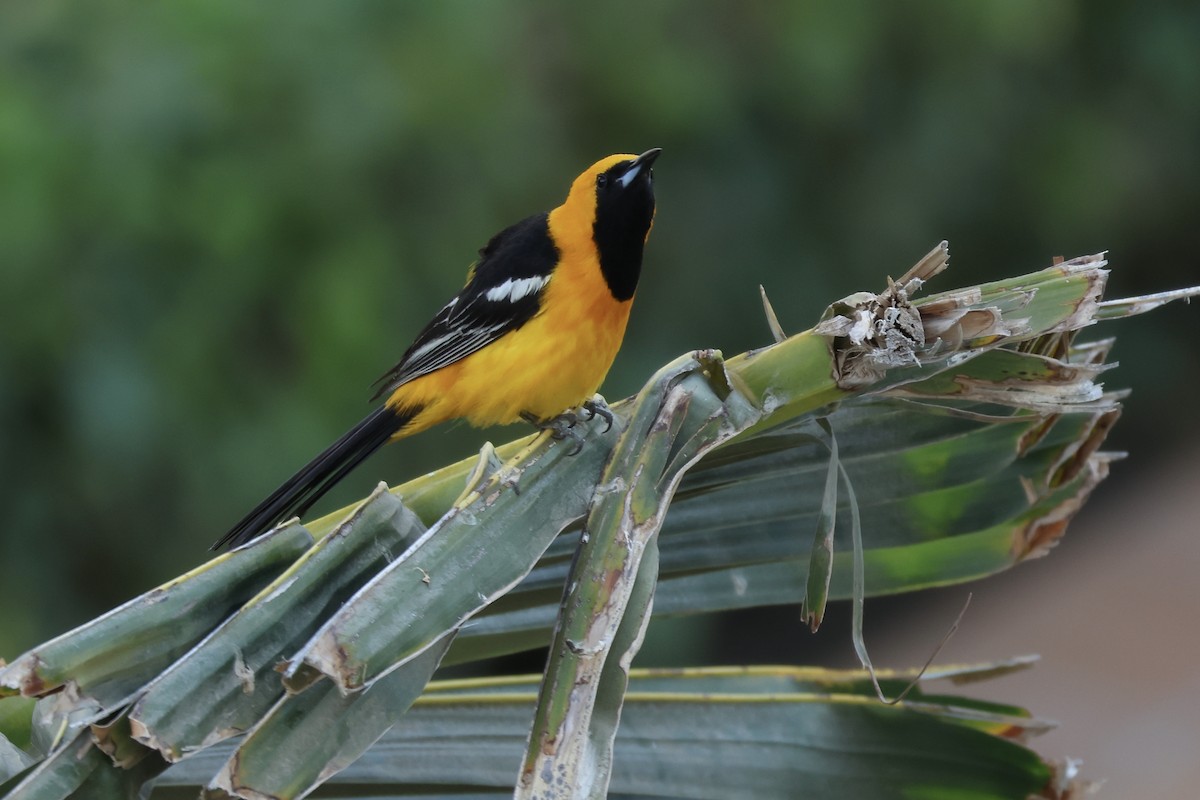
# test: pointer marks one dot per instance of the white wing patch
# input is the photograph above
(514, 289)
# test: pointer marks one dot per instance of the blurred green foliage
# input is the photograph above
(220, 221)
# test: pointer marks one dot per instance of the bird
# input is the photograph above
(531, 335)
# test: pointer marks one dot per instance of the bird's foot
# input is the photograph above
(597, 407)
(561, 427)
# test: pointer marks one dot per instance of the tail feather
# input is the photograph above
(299, 492)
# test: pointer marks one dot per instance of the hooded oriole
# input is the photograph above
(531, 335)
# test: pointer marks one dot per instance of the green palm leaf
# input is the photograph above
(965, 429)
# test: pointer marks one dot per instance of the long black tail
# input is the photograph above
(299, 492)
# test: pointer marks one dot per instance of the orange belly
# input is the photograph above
(554, 362)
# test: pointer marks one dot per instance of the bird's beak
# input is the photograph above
(639, 164)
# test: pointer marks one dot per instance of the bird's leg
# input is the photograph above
(561, 427)
(596, 407)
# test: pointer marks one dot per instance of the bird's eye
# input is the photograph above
(601, 180)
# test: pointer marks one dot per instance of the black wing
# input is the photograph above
(502, 293)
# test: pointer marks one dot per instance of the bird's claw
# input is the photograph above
(560, 427)
(596, 407)
(563, 425)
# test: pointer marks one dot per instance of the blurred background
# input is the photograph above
(220, 221)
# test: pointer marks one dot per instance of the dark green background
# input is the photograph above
(220, 220)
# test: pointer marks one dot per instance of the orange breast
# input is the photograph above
(554, 362)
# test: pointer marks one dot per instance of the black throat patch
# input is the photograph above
(623, 217)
